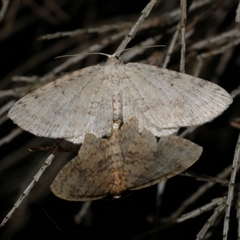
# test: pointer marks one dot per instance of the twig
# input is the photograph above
(134, 29)
(203, 177)
(101, 29)
(188, 131)
(202, 209)
(46, 164)
(238, 213)
(237, 19)
(216, 40)
(171, 46)
(11, 136)
(211, 220)
(183, 30)
(3, 9)
(160, 191)
(83, 212)
(231, 188)
(6, 107)
(192, 214)
(201, 190)
(220, 50)
(235, 92)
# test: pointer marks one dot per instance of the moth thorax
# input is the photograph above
(117, 183)
(117, 105)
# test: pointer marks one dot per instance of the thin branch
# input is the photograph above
(135, 28)
(237, 19)
(235, 164)
(202, 209)
(36, 178)
(201, 190)
(3, 9)
(83, 212)
(183, 31)
(210, 222)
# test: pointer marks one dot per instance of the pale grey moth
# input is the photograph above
(90, 100)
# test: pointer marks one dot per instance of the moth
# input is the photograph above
(126, 160)
(92, 99)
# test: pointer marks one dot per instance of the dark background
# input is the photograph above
(44, 216)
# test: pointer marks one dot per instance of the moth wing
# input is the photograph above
(85, 177)
(141, 151)
(127, 133)
(173, 156)
(163, 100)
(68, 107)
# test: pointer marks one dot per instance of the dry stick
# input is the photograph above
(223, 63)
(3, 119)
(101, 29)
(183, 31)
(235, 92)
(202, 209)
(224, 37)
(192, 214)
(235, 164)
(6, 107)
(116, 26)
(237, 19)
(82, 213)
(20, 153)
(235, 123)
(54, 8)
(16, 92)
(201, 190)
(14, 133)
(218, 40)
(133, 31)
(238, 213)
(46, 164)
(160, 191)
(25, 79)
(211, 221)
(188, 130)
(171, 46)
(219, 50)
(3, 9)
(206, 178)
(44, 12)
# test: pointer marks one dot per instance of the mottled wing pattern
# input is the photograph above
(127, 133)
(162, 99)
(173, 156)
(127, 160)
(86, 176)
(68, 108)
